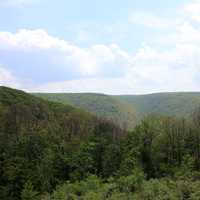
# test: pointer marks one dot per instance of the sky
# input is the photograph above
(101, 46)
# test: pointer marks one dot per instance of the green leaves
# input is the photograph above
(49, 151)
(28, 192)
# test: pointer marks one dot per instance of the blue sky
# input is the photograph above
(113, 47)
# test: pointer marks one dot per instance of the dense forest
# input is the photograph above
(51, 151)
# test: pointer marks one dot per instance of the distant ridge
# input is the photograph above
(130, 109)
(179, 104)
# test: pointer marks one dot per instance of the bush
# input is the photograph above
(28, 193)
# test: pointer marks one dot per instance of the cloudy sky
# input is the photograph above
(104, 46)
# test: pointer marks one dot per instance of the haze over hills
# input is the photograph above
(130, 108)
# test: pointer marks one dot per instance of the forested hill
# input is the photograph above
(104, 106)
(130, 109)
(179, 104)
(51, 151)
(38, 142)
(24, 113)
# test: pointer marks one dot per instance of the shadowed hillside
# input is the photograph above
(22, 113)
(104, 106)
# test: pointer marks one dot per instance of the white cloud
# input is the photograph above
(95, 60)
(192, 10)
(107, 68)
(30, 39)
(168, 70)
(150, 71)
(7, 78)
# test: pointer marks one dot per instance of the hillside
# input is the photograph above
(22, 113)
(179, 104)
(40, 142)
(104, 106)
(129, 109)
(54, 151)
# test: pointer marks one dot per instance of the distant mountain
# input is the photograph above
(179, 104)
(104, 106)
(129, 109)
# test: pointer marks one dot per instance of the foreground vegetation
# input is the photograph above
(53, 152)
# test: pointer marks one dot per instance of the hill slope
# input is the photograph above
(180, 104)
(104, 106)
(22, 113)
(41, 142)
(129, 109)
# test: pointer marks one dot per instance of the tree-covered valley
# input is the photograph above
(128, 110)
(54, 151)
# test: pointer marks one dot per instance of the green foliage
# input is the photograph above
(89, 187)
(125, 188)
(28, 192)
(47, 143)
(158, 190)
(50, 151)
(131, 183)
